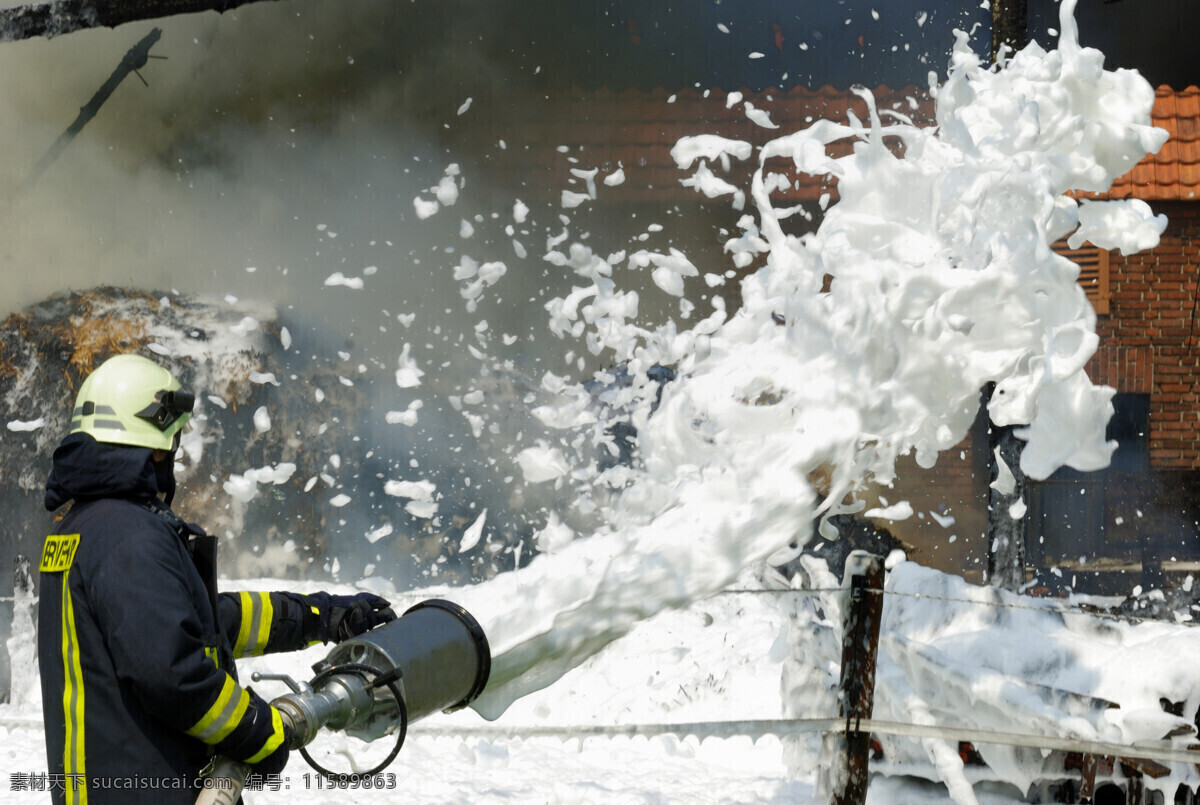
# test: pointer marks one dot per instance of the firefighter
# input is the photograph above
(135, 645)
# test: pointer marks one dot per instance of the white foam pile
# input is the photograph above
(955, 655)
(690, 665)
(985, 659)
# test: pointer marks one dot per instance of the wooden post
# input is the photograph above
(1135, 790)
(861, 617)
(1087, 775)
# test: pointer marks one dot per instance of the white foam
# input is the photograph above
(931, 299)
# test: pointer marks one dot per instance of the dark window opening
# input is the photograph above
(1096, 521)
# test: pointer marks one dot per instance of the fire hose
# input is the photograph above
(434, 657)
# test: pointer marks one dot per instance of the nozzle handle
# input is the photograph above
(296, 687)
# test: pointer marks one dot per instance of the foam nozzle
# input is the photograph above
(435, 654)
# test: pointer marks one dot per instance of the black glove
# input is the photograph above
(341, 617)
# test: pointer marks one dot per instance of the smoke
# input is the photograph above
(275, 149)
(282, 145)
(261, 135)
(275, 156)
(283, 142)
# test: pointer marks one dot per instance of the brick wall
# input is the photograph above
(1149, 339)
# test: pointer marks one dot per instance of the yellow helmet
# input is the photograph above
(132, 400)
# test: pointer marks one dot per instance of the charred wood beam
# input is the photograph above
(133, 61)
(58, 17)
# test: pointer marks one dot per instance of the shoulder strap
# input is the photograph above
(201, 547)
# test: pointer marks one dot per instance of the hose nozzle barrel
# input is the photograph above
(437, 653)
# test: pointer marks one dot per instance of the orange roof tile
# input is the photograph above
(1173, 174)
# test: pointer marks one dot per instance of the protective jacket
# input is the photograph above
(136, 653)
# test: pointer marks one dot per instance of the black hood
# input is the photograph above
(85, 469)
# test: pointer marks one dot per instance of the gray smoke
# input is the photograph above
(262, 133)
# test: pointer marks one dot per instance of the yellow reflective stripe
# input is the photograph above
(267, 615)
(224, 715)
(243, 703)
(58, 552)
(273, 742)
(316, 612)
(255, 626)
(239, 645)
(73, 755)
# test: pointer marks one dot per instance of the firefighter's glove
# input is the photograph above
(341, 617)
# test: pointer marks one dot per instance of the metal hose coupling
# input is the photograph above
(344, 699)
